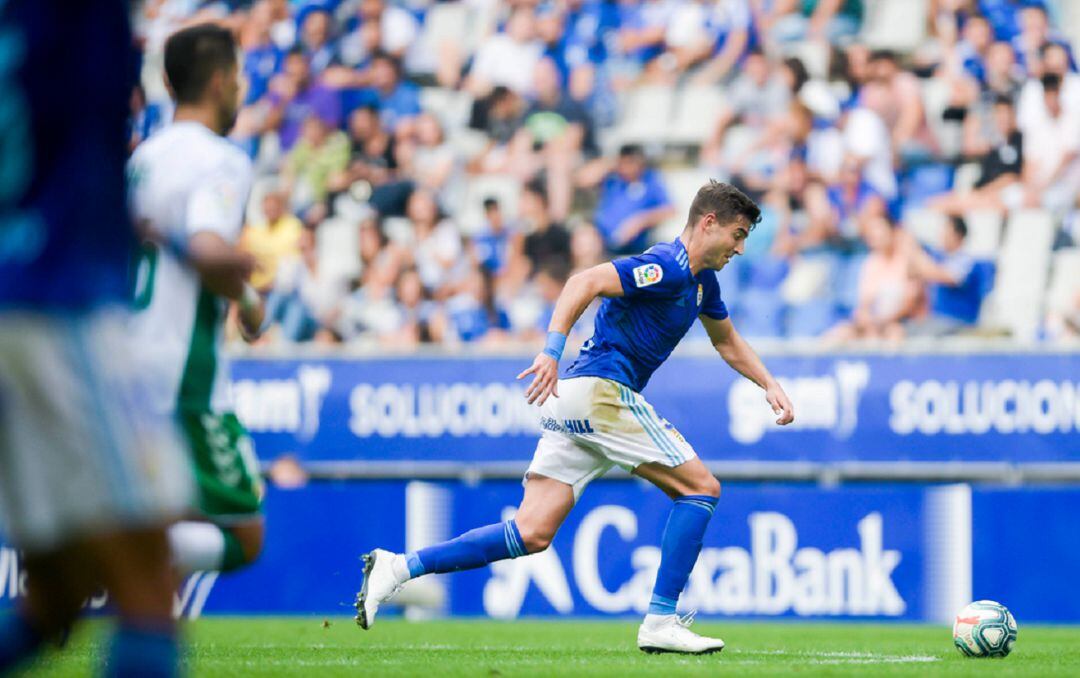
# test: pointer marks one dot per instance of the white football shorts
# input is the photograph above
(596, 424)
(80, 451)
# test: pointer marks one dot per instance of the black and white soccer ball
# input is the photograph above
(984, 629)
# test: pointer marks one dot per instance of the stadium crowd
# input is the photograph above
(432, 172)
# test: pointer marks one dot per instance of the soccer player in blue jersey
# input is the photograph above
(88, 476)
(595, 417)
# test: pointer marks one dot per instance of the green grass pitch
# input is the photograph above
(336, 647)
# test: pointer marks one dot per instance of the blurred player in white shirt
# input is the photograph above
(188, 188)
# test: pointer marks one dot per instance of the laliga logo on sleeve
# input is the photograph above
(649, 274)
(700, 293)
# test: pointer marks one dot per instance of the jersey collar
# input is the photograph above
(682, 256)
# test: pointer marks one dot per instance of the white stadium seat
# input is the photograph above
(967, 175)
(696, 110)
(1064, 280)
(935, 95)
(337, 242)
(895, 24)
(926, 225)
(984, 233)
(1022, 266)
(681, 186)
(646, 115)
(451, 107)
(814, 55)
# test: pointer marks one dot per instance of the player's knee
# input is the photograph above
(707, 485)
(535, 539)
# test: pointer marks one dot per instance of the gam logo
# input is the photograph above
(822, 403)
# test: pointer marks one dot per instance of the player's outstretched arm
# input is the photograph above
(742, 358)
(580, 291)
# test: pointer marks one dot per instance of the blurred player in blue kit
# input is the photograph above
(89, 476)
(595, 417)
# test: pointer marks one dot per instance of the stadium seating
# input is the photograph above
(925, 225)
(672, 117)
(895, 24)
(1064, 280)
(478, 188)
(646, 116)
(337, 245)
(1022, 267)
(696, 108)
(984, 233)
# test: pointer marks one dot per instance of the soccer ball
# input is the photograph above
(984, 629)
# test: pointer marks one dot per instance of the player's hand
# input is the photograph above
(545, 383)
(781, 404)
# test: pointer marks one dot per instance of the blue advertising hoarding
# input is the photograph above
(915, 553)
(1009, 407)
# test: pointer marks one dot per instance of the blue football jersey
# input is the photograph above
(66, 74)
(635, 333)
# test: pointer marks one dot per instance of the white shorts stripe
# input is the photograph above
(652, 427)
(596, 424)
(645, 424)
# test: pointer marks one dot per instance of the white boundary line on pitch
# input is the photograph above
(839, 657)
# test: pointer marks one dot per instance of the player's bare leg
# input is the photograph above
(542, 510)
(688, 478)
(695, 492)
(201, 545)
(58, 583)
(134, 568)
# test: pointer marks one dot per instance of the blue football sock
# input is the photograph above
(679, 549)
(143, 650)
(473, 549)
(18, 640)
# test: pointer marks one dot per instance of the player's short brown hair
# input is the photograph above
(193, 55)
(725, 201)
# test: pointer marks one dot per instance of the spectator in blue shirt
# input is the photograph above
(1035, 33)
(587, 28)
(493, 244)
(725, 35)
(954, 286)
(633, 199)
(316, 38)
(970, 51)
(261, 57)
(1003, 16)
(398, 102)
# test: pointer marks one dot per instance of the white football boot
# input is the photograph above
(381, 583)
(671, 633)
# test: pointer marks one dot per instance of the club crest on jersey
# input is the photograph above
(700, 294)
(649, 274)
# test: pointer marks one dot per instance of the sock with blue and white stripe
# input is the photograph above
(679, 549)
(473, 549)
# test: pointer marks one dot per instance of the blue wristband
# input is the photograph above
(556, 341)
